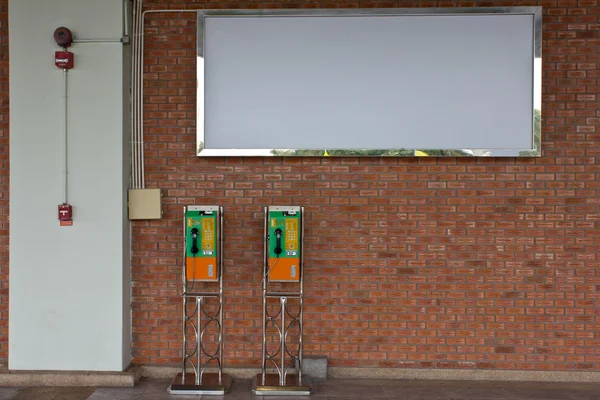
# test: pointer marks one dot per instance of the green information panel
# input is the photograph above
(284, 233)
(200, 233)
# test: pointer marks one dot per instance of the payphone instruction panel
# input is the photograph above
(284, 244)
(201, 243)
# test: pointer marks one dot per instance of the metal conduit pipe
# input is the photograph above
(140, 82)
(126, 18)
(120, 40)
(65, 134)
(134, 99)
(135, 92)
(134, 72)
(132, 103)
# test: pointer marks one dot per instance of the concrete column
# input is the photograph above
(69, 286)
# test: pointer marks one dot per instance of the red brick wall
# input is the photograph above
(4, 179)
(415, 263)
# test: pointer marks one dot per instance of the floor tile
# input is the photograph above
(463, 384)
(287, 397)
(156, 386)
(114, 396)
(240, 386)
(167, 396)
(62, 393)
(476, 392)
(157, 390)
(356, 382)
(233, 396)
(584, 395)
(7, 393)
(113, 393)
(537, 394)
(415, 393)
(345, 397)
(351, 390)
(482, 398)
(354, 387)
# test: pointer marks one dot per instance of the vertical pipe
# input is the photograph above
(136, 91)
(134, 98)
(282, 371)
(301, 251)
(126, 15)
(264, 296)
(183, 369)
(220, 266)
(140, 106)
(184, 272)
(301, 342)
(140, 81)
(141, 134)
(184, 297)
(199, 341)
(65, 134)
(301, 312)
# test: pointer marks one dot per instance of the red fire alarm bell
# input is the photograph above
(64, 59)
(65, 212)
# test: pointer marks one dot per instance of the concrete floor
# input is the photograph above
(335, 389)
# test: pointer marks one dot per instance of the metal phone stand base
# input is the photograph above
(271, 386)
(210, 384)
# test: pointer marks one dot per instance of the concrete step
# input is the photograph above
(127, 378)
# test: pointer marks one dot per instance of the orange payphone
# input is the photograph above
(284, 243)
(202, 226)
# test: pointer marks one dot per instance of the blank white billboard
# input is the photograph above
(369, 82)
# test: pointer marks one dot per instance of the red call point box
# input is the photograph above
(64, 59)
(65, 214)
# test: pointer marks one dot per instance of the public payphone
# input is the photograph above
(284, 244)
(201, 250)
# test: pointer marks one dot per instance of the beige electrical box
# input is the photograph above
(145, 204)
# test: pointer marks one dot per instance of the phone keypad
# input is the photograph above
(291, 228)
(208, 234)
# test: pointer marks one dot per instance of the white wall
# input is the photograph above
(69, 286)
